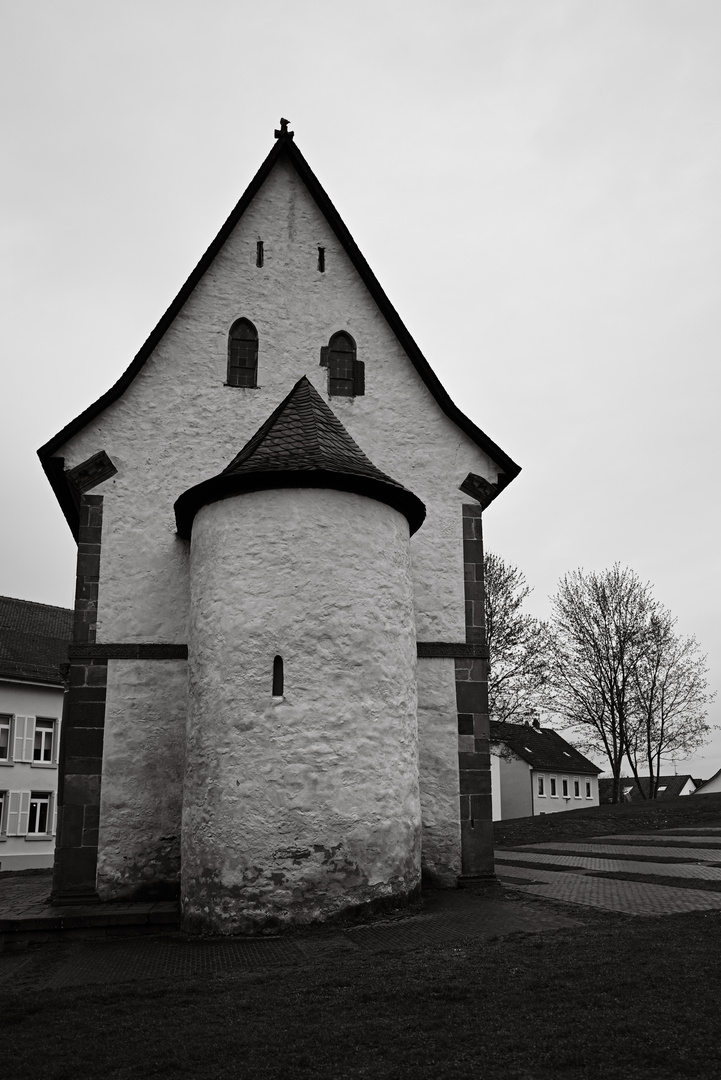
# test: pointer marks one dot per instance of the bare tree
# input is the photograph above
(621, 677)
(517, 643)
(671, 700)
(598, 627)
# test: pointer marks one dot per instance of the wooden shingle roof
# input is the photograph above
(301, 444)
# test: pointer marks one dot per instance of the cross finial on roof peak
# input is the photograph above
(284, 129)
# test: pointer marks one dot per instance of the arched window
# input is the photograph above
(278, 676)
(243, 354)
(346, 375)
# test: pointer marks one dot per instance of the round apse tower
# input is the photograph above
(301, 795)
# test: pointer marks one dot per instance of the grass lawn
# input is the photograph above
(687, 811)
(618, 998)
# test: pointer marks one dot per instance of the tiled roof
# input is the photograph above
(673, 786)
(301, 444)
(34, 640)
(542, 748)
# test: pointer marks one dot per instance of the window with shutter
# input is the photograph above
(346, 374)
(243, 354)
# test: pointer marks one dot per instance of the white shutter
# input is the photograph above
(53, 812)
(24, 813)
(29, 738)
(19, 738)
(24, 738)
(13, 813)
(56, 744)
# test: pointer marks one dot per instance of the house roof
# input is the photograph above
(34, 640)
(284, 149)
(301, 444)
(700, 784)
(542, 748)
(673, 786)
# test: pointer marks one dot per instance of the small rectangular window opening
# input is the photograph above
(259, 253)
(321, 259)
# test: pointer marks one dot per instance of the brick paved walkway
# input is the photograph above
(656, 838)
(570, 870)
(626, 866)
(630, 897)
(712, 855)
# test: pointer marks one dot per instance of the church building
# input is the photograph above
(277, 701)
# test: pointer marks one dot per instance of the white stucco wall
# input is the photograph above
(141, 793)
(438, 756)
(515, 777)
(178, 424)
(295, 810)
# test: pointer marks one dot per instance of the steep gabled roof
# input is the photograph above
(542, 748)
(284, 149)
(34, 640)
(301, 444)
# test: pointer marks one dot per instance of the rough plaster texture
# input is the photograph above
(178, 423)
(438, 760)
(295, 809)
(141, 793)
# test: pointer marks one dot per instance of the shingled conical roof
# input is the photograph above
(301, 444)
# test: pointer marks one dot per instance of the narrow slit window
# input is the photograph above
(346, 374)
(259, 253)
(278, 677)
(243, 354)
(321, 259)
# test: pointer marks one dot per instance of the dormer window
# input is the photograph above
(242, 354)
(346, 375)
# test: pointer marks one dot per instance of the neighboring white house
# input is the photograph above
(535, 771)
(34, 641)
(710, 786)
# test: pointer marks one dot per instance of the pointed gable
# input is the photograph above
(301, 444)
(286, 152)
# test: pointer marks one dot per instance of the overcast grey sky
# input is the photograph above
(534, 182)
